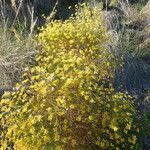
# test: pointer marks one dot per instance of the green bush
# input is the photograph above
(67, 100)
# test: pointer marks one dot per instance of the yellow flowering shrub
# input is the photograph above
(67, 101)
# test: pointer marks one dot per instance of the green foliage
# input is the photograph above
(67, 100)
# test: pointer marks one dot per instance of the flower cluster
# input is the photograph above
(67, 101)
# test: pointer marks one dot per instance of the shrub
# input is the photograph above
(67, 100)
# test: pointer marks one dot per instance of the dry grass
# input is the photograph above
(132, 43)
(17, 44)
(15, 55)
(12, 14)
